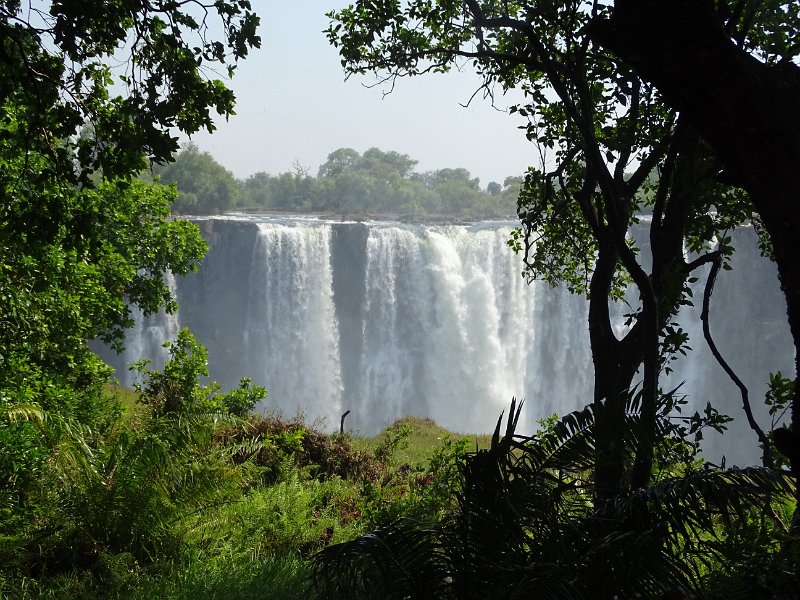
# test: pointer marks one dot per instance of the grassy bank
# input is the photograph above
(419, 439)
(220, 508)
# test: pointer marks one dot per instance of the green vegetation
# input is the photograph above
(611, 86)
(525, 526)
(349, 183)
(204, 186)
(179, 491)
(414, 440)
(612, 501)
(179, 495)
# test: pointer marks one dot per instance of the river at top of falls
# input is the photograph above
(388, 319)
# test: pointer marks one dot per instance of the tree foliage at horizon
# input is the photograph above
(375, 182)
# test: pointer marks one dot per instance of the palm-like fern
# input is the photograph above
(129, 488)
(149, 480)
(527, 525)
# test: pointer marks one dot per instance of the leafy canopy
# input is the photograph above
(135, 70)
(610, 152)
(90, 91)
(601, 133)
(204, 185)
(124, 74)
(380, 182)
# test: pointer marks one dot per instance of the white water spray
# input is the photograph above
(387, 320)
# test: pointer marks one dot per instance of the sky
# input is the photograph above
(294, 105)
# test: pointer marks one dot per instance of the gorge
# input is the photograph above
(387, 319)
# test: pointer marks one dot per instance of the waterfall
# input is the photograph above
(749, 325)
(446, 327)
(290, 340)
(148, 338)
(388, 319)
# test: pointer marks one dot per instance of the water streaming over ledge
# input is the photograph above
(387, 319)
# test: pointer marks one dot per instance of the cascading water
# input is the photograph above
(386, 319)
(749, 325)
(446, 327)
(146, 340)
(291, 338)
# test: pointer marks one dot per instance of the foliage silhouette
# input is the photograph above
(610, 150)
(526, 526)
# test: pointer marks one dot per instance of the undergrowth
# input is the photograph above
(180, 496)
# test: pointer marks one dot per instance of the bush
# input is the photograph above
(323, 456)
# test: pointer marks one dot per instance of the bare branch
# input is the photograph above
(716, 263)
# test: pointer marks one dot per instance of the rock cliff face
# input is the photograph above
(391, 319)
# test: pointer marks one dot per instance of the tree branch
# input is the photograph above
(716, 263)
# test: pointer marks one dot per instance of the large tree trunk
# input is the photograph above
(747, 111)
(616, 362)
(613, 373)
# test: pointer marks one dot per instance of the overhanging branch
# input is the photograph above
(716, 263)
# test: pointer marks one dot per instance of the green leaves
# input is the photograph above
(176, 391)
(60, 67)
(526, 526)
(72, 261)
(89, 91)
(204, 186)
(380, 182)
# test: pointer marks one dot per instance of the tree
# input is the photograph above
(81, 240)
(378, 182)
(72, 261)
(257, 189)
(457, 190)
(609, 148)
(742, 98)
(90, 252)
(338, 162)
(57, 74)
(523, 528)
(389, 162)
(204, 185)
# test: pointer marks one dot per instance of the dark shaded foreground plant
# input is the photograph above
(528, 525)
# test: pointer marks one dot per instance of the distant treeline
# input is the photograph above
(375, 182)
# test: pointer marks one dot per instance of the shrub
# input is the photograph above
(324, 456)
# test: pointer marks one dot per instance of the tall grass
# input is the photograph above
(228, 577)
(424, 438)
(223, 577)
(183, 508)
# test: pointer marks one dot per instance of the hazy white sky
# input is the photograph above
(294, 105)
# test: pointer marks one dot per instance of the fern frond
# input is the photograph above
(26, 412)
(402, 560)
